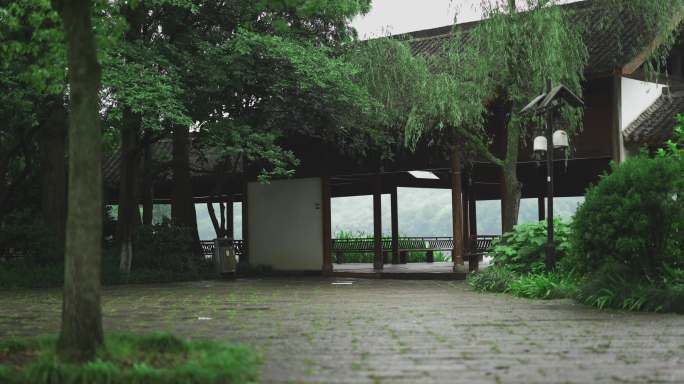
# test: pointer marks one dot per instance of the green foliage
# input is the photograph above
(610, 288)
(494, 278)
(523, 250)
(368, 257)
(166, 247)
(634, 218)
(156, 358)
(546, 286)
(553, 285)
(674, 148)
(660, 18)
(24, 235)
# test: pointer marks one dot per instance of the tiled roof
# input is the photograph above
(201, 162)
(654, 126)
(606, 53)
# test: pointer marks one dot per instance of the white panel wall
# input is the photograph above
(285, 224)
(637, 96)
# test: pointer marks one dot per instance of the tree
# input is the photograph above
(33, 135)
(81, 330)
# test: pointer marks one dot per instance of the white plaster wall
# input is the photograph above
(286, 224)
(637, 96)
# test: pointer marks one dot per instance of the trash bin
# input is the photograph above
(225, 257)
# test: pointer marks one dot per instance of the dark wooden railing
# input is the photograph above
(477, 248)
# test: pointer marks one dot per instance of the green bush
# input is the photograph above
(368, 257)
(633, 219)
(492, 279)
(609, 288)
(166, 247)
(523, 250)
(158, 358)
(24, 235)
(555, 285)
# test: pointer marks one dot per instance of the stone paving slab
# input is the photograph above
(385, 331)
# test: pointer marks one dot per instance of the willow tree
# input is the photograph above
(505, 60)
(510, 56)
(411, 95)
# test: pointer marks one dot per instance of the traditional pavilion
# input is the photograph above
(287, 223)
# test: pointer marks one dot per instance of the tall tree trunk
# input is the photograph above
(218, 228)
(52, 139)
(129, 212)
(182, 205)
(81, 329)
(148, 179)
(511, 188)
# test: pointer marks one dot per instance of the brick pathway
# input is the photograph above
(384, 331)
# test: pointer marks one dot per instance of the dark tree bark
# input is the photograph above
(148, 179)
(129, 212)
(218, 228)
(81, 329)
(182, 205)
(52, 140)
(511, 188)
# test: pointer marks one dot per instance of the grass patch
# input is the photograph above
(151, 359)
(605, 290)
(534, 286)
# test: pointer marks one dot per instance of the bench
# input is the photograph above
(429, 245)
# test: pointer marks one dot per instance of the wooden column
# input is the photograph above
(540, 208)
(395, 225)
(457, 214)
(377, 221)
(466, 219)
(474, 263)
(327, 232)
(245, 226)
(230, 217)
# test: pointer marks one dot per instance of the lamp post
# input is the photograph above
(546, 105)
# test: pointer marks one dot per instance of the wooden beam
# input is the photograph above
(457, 215)
(395, 225)
(327, 231)
(377, 220)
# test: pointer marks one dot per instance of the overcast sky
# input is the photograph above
(399, 16)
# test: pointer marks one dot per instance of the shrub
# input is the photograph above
(553, 285)
(492, 279)
(633, 218)
(609, 288)
(166, 247)
(157, 358)
(24, 235)
(523, 250)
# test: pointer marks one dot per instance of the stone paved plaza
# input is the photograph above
(316, 330)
